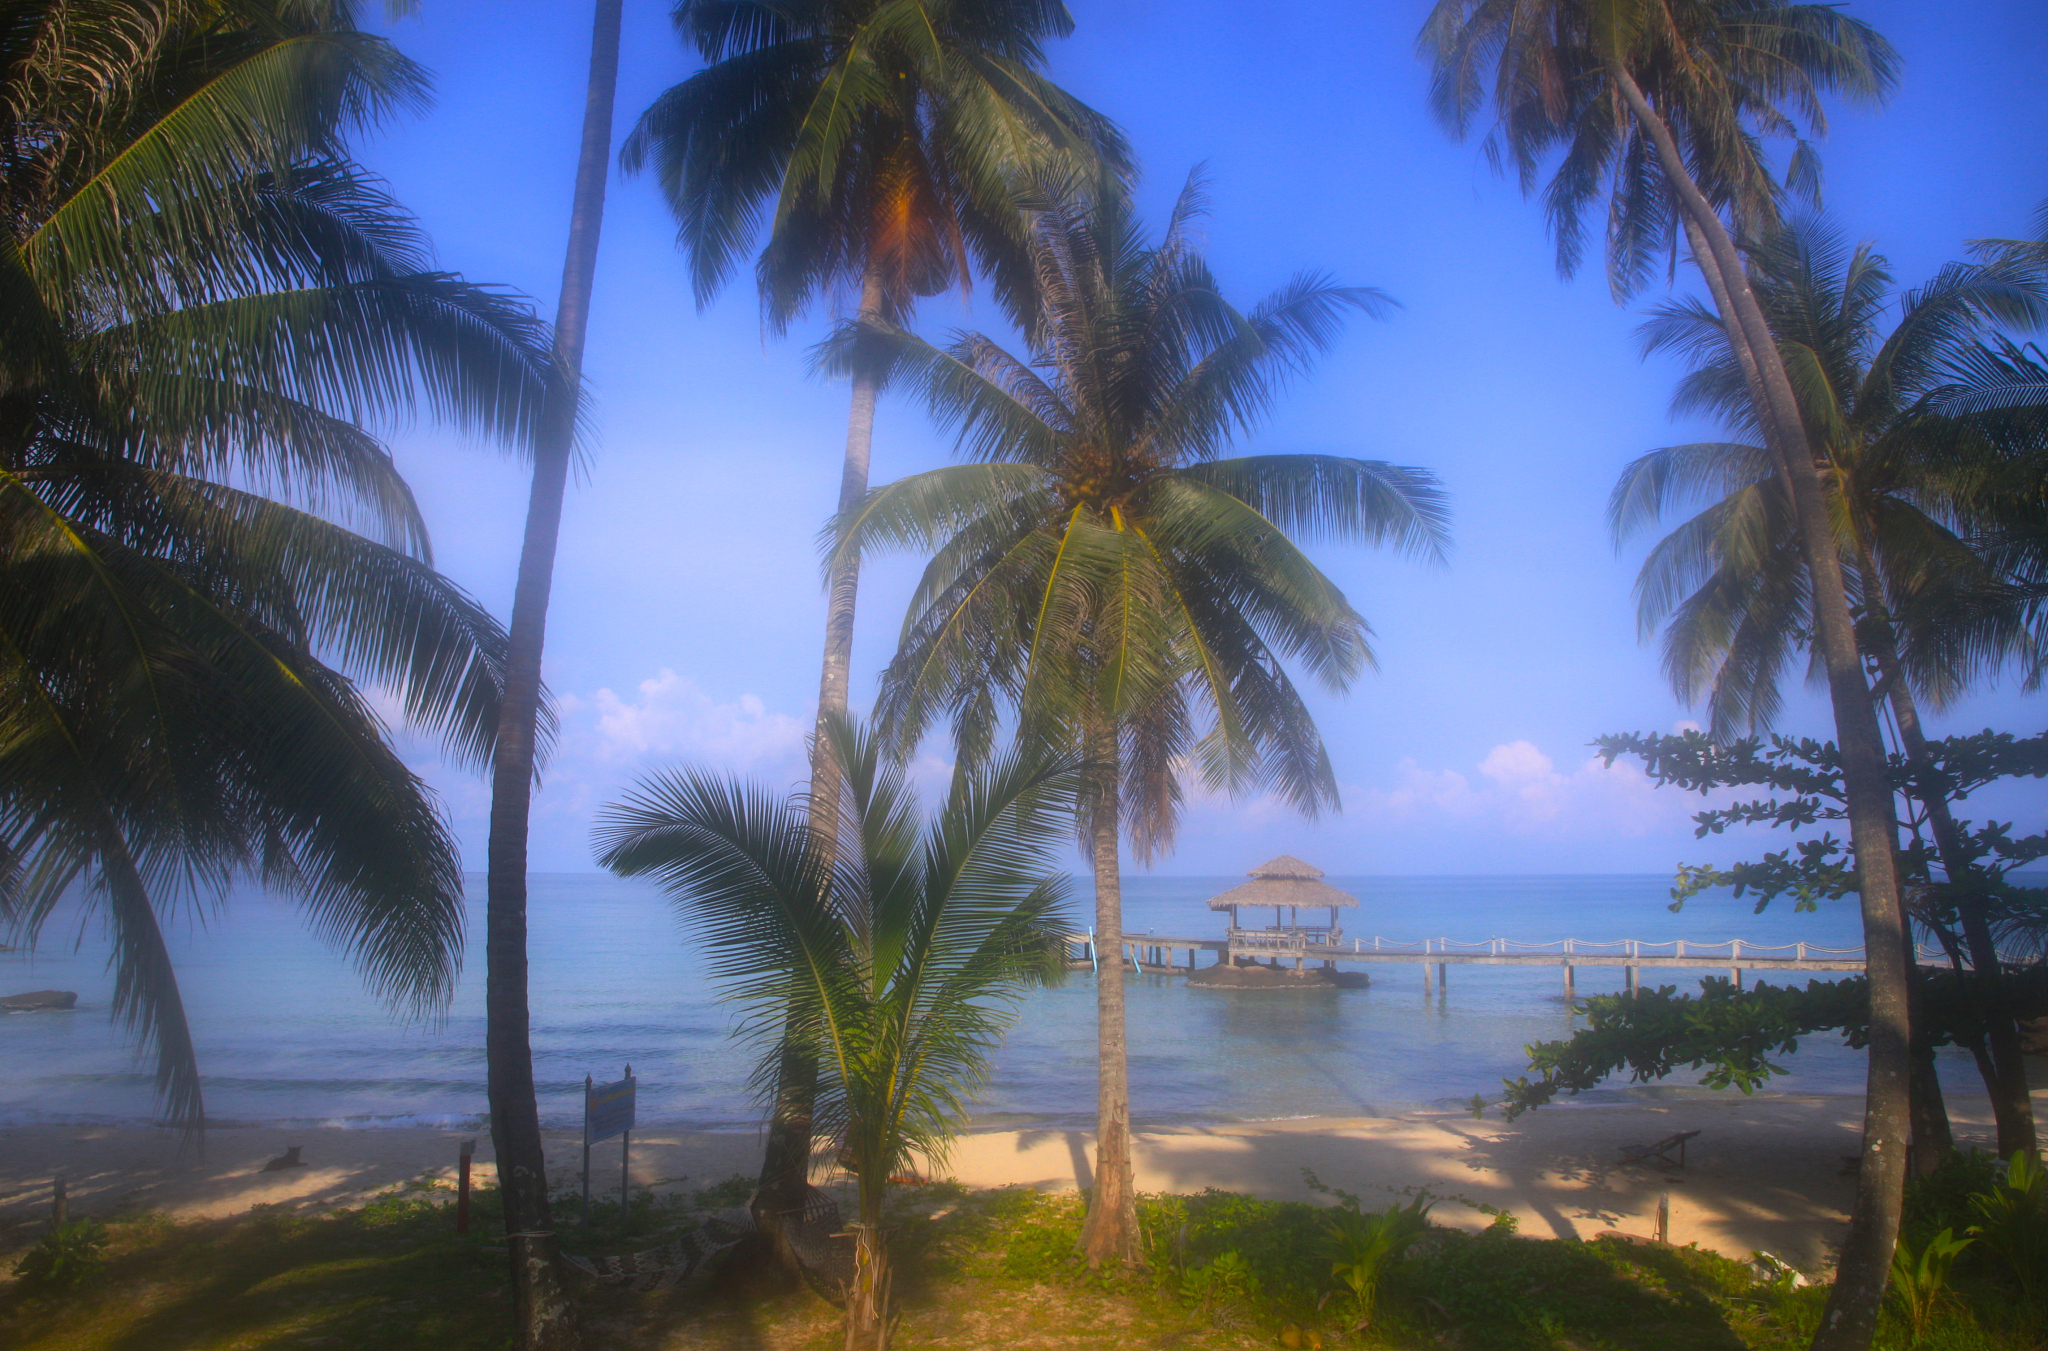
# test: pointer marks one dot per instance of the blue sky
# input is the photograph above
(687, 609)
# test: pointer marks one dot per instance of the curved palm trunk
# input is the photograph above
(1110, 1233)
(543, 1317)
(786, 1161)
(1864, 1269)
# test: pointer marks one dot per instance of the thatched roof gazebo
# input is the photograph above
(1285, 883)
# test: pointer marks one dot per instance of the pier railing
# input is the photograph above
(1733, 949)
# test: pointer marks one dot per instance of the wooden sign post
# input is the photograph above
(608, 1111)
(462, 1188)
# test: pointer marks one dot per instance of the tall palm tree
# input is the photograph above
(891, 956)
(1662, 110)
(888, 135)
(206, 303)
(1936, 610)
(543, 1318)
(1106, 573)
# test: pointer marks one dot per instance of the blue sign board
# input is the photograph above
(608, 1110)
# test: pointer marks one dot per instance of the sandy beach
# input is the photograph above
(1764, 1172)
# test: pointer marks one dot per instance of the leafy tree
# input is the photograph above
(543, 1318)
(891, 956)
(1103, 570)
(205, 305)
(888, 136)
(1731, 1032)
(1936, 611)
(1663, 110)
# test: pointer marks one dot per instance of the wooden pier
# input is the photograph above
(1161, 955)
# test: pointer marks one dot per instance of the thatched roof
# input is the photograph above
(1285, 880)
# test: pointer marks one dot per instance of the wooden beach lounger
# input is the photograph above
(1659, 1153)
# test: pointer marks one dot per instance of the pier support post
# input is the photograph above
(1428, 980)
(1443, 979)
(1735, 976)
(1631, 979)
(1570, 988)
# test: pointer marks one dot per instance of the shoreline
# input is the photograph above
(1763, 1173)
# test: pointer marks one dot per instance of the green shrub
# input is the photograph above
(1920, 1277)
(67, 1256)
(2012, 1224)
(1228, 1278)
(1366, 1246)
(1941, 1199)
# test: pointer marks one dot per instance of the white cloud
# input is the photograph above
(671, 716)
(1520, 789)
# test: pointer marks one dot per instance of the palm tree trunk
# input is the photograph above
(867, 1296)
(1110, 1233)
(786, 1160)
(1933, 1140)
(1865, 1266)
(543, 1317)
(845, 582)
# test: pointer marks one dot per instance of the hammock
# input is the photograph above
(824, 1254)
(670, 1264)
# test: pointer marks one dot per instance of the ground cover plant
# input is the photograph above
(988, 1269)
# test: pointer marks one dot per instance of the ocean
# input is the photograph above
(286, 1035)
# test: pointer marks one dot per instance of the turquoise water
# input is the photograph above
(285, 1034)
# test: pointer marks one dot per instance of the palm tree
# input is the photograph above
(1662, 109)
(205, 298)
(543, 1318)
(1107, 574)
(1936, 610)
(892, 955)
(888, 135)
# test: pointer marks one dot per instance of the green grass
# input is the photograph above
(976, 1269)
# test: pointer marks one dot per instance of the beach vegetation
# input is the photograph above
(2011, 1223)
(875, 145)
(974, 1271)
(890, 956)
(1920, 1276)
(68, 1255)
(1662, 116)
(1368, 1244)
(1106, 571)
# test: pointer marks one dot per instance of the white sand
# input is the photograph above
(1763, 1173)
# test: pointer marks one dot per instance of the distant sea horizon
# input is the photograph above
(286, 1035)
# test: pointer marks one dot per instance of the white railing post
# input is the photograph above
(1802, 952)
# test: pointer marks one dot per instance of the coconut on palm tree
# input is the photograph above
(206, 306)
(1663, 111)
(876, 144)
(1937, 611)
(1108, 573)
(891, 957)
